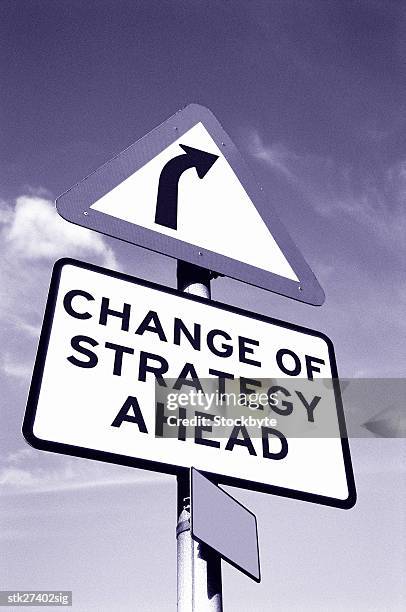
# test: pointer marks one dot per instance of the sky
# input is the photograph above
(312, 93)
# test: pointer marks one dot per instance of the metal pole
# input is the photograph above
(199, 566)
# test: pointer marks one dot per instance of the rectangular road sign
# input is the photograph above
(219, 520)
(109, 346)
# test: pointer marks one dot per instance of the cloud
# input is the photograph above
(276, 155)
(32, 238)
(374, 200)
(6, 212)
(28, 471)
(35, 232)
(356, 217)
(24, 327)
(15, 368)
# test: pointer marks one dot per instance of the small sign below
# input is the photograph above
(221, 522)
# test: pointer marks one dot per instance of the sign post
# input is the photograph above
(115, 351)
(199, 586)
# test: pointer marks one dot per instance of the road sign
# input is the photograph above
(219, 520)
(111, 345)
(184, 190)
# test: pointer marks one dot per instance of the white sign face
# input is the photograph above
(184, 190)
(110, 343)
(213, 213)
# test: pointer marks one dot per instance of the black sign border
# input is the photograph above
(77, 451)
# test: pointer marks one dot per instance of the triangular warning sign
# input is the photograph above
(185, 191)
(213, 214)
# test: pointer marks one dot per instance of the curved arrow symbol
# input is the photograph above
(166, 213)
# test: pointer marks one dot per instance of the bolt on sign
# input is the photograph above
(114, 349)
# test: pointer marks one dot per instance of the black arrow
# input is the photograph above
(167, 200)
